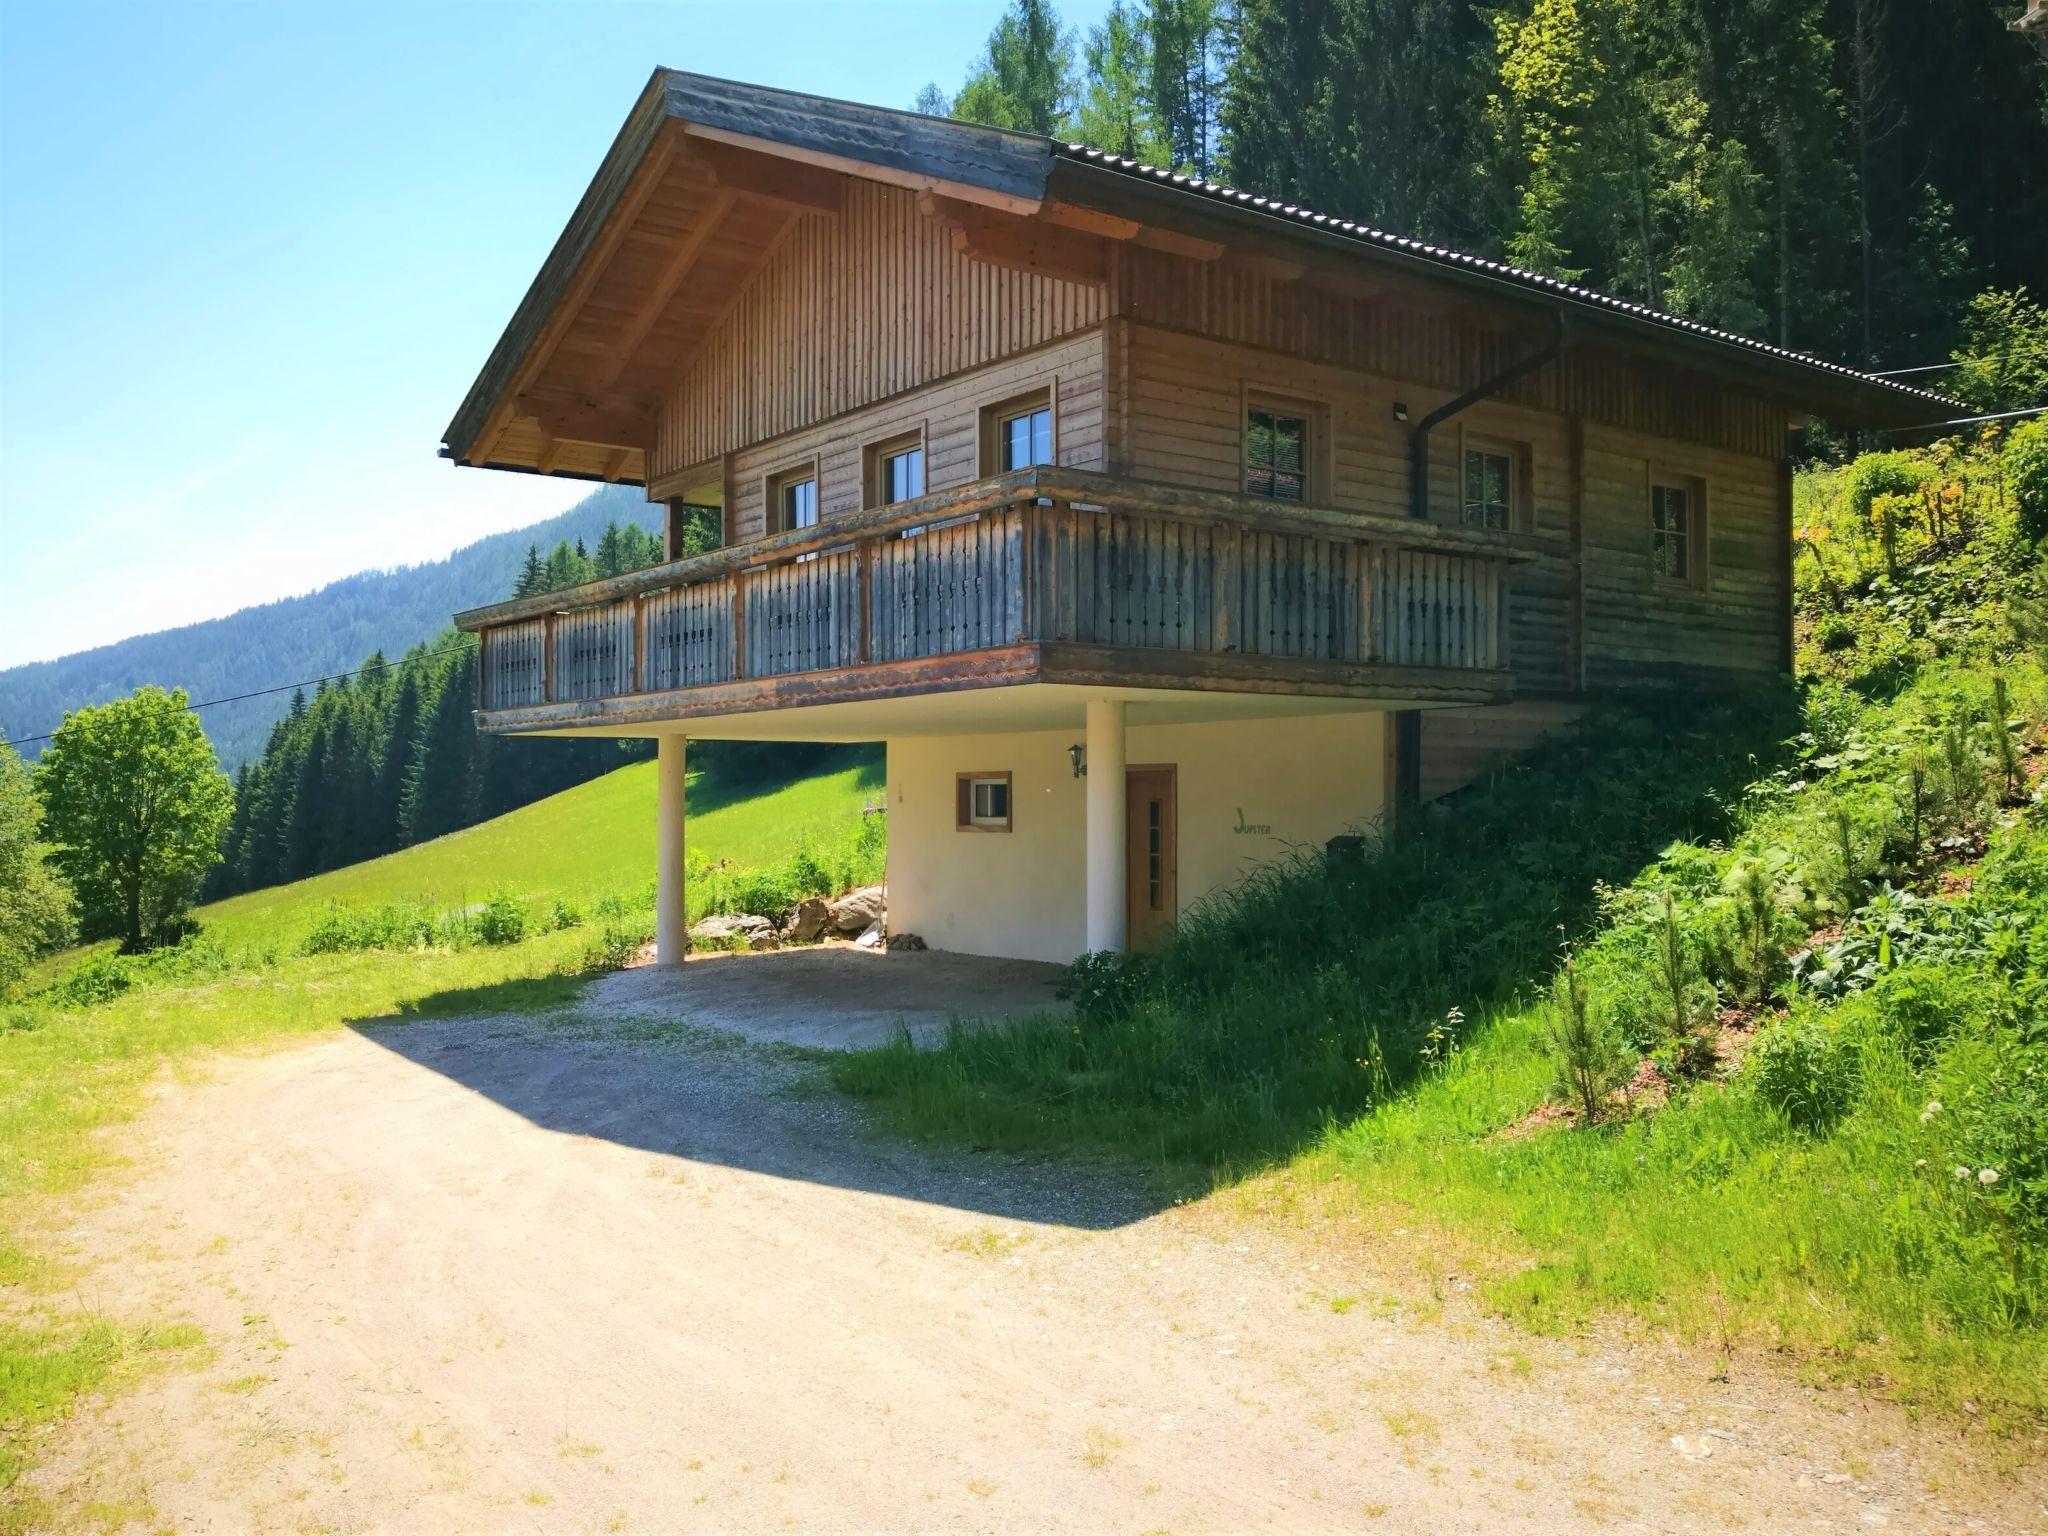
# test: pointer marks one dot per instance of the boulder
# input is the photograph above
(808, 921)
(857, 910)
(898, 942)
(732, 930)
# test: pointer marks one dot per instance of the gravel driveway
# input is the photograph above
(559, 1274)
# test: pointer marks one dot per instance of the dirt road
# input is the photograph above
(539, 1275)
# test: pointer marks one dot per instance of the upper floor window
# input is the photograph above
(1018, 432)
(896, 471)
(1673, 535)
(1024, 439)
(793, 500)
(1488, 496)
(1276, 449)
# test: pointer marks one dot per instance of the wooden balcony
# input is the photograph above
(1045, 575)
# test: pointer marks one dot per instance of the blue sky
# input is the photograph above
(251, 256)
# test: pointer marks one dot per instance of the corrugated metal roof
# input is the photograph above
(1444, 256)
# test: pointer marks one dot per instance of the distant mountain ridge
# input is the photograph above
(314, 635)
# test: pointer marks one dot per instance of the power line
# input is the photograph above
(1897, 373)
(1971, 421)
(311, 682)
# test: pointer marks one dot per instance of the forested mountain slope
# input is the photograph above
(322, 632)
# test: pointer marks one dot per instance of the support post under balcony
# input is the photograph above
(1107, 852)
(671, 911)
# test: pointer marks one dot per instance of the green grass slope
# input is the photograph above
(589, 842)
(1801, 1103)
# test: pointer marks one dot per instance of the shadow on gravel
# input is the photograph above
(680, 1091)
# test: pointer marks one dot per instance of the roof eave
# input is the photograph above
(1804, 383)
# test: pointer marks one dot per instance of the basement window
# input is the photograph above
(982, 802)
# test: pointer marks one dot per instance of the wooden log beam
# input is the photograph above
(1023, 245)
(666, 285)
(583, 421)
(770, 178)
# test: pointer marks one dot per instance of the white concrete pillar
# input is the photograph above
(671, 915)
(1106, 846)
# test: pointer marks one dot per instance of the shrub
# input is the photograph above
(100, 977)
(1808, 1068)
(1104, 985)
(2026, 460)
(1994, 1086)
(343, 929)
(617, 941)
(501, 921)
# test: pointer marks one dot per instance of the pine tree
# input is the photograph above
(533, 574)
(1115, 110)
(1025, 77)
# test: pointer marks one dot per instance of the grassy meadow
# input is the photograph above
(589, 842)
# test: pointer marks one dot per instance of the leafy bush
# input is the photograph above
(342, 929)
(100, 977)
(1994, 1085)
(501, 921)
(1103, 985)
(1895, 928)
(2026, 459)
(1807, 1067)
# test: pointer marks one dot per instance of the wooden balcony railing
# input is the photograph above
(1044, 557)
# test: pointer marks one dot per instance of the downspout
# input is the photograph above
(1418, 443)
(1407, 723)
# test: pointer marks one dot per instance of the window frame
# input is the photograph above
(776, 482)
(878, 453)
(998, 413)
(964, 819)
(1694, 533)
(1315, 416)
(1521, 459)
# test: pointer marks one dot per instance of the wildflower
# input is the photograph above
(1933, 1108)
(1987, 1176)
(1919, 1162)
(1962, 1173)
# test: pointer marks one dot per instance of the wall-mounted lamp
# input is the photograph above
(1078, 756)
(1400, 410)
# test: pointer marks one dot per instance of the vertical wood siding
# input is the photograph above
(850, 310)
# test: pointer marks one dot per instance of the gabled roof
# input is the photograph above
(616, 275)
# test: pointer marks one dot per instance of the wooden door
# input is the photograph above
(1151, 855)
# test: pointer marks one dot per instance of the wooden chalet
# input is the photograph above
(1157, 525)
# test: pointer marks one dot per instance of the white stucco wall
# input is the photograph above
(1249, 791)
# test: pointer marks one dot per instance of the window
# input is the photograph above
(1019, 432)
(1024, 439)
(903, 475)
(1276, 454)
(983, 802)
(793, 499)
(898, 471)
(1488, 498)
(1671, 532)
